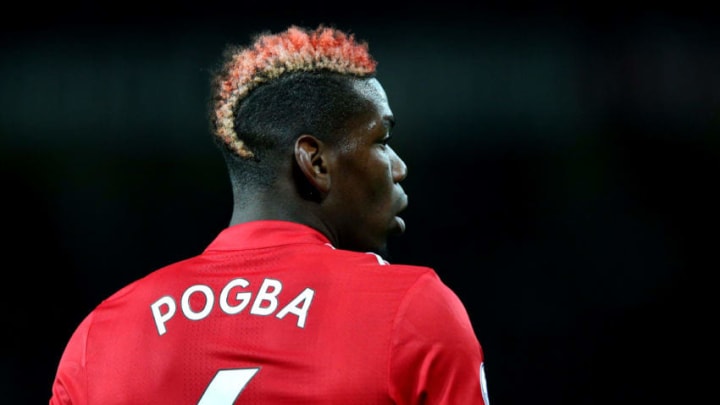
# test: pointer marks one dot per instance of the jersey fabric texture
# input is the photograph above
(271, 313)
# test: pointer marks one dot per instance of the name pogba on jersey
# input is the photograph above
(233, 298)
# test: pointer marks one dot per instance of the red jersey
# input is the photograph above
(271, 313)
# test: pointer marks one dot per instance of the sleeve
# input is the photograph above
(436, 357)
(69, 384)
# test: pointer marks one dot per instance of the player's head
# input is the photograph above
(299, 115)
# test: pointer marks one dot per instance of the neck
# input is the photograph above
(268, 206)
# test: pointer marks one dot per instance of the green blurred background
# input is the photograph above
(562, 161)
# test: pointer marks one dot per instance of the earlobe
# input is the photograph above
(309, 155)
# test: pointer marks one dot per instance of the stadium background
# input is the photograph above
(563, 161)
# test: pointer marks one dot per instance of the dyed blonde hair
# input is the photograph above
(271, 55)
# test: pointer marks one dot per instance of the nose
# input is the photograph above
(399, 168)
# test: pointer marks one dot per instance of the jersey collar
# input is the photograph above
(266, 233)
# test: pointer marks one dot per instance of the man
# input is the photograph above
(294, 302)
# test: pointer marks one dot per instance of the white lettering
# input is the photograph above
(264, 295)
(306, 298)
(233, 299)
(209, 301)
(161, 318)
(244, 297)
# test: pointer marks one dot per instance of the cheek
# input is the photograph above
(378, 184)
(367, 180)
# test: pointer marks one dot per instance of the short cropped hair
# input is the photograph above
(283, 85)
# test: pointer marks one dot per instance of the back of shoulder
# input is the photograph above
(413, 279)
(374, 262)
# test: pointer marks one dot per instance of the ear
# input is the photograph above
(310, 155)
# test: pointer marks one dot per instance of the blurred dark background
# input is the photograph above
(563, 165)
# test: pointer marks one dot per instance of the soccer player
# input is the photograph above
(294, 302)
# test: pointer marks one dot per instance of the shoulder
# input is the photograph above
(430, 303)
(427, 300)
(414, 277)
(373, 260)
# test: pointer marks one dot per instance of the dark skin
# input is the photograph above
(357, 180)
